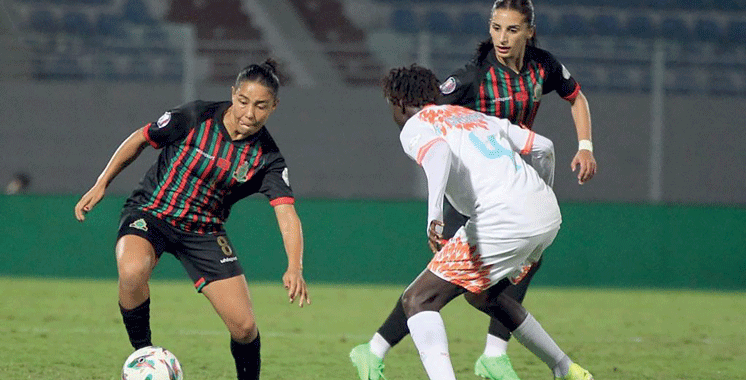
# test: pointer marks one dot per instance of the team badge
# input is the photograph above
(242, 173)
(538, 90)
(449, 85)
(164, 119)
(521, 96)
(285, 176)
(139, 224)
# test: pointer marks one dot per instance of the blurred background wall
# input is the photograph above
(666, 82)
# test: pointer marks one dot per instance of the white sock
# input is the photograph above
(495, 346)
(537, 340)
(379, 346)
(429, 335)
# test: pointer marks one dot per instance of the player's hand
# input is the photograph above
(435, 236)
(88, 201)
(296, 286)
(584, 158)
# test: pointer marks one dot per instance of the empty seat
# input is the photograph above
(43, 21)
(76, 23)
(736, 32)
(404, 21)
(641, 27)
(709, 30)
(109, 25)
(674, 28)
(136, 11)
(438, 22)
(544, 24)
(606, 25)
(572, 24)
(473, 23)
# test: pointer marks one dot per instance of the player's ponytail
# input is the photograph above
(265, 73)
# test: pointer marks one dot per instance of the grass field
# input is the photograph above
(71, 329)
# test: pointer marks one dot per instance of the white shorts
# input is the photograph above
(475, 266)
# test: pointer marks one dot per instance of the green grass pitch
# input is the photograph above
(71, 329)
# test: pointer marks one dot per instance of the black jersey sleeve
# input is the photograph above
(458, 88)
(275, 183)
(558, 77)
(174, 125)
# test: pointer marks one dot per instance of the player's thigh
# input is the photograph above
(428, 292)
(135, 256)
(232, 301)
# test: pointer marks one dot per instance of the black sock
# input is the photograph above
(395, 328)
(137, 323)
(499, 330)
(248, 358)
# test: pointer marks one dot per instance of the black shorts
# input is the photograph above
(206, 258)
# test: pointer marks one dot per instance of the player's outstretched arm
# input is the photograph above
(127, 152)
(292, 238)
(583, 159)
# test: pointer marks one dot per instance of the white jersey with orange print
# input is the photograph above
(474, 160)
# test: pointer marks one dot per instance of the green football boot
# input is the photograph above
(369, 366)
(495, 368)
(576, 373)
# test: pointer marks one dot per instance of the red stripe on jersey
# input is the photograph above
(244, 154)
(172, 171)
(524, 90)
(254, 164)
(147, 136)
(425, 148)
(482, 98)
(282, 201)
(530, 121)
(511, 95)
(529, 143)
(574, 94)
(495, 92)
(183, 180)
(193, 194)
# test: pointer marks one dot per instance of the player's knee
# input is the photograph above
(414, 301)
(244, 331)
(132, 272)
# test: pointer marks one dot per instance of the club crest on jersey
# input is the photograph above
(139, 224)
(538, 90)
(242, 173)
(164, 119)
(448, 86)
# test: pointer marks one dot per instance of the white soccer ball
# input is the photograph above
(152, 363)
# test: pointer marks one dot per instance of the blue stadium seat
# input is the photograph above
(76, 23)
(573, 24)
(544, 24)
(473, 23)
(709, 30)
(438, 22)
(736, 32)
(136, 11)
(641, 27)
(606, 25)
(404, 21)
(675, 28)
(43, 21)
(109, 25)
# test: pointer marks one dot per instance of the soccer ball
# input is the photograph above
(152, 363)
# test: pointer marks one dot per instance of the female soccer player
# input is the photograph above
(507, 79)
(472, 159)
(213, 154)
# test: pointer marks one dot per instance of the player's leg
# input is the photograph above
(211, 263)
(422, 302)
(136, 259)
(494, 363)
(231, 300)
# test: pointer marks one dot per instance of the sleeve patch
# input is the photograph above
(164, 120)
(449, 85)
(285, 176)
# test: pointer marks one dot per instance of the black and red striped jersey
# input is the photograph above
(200, 172)
(492, 88)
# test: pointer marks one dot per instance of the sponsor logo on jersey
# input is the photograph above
(228, 259)
(164, 119)
(205, 154)
(285, 176)
(241, 174)
(449, 85)
(139, 224)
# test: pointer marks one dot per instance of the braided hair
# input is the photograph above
(265, 73)
(524, 7)
(413, 86)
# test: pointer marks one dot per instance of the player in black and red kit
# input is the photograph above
(507, 79)
(213, 154)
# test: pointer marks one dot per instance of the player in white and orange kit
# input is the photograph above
(473, 159)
